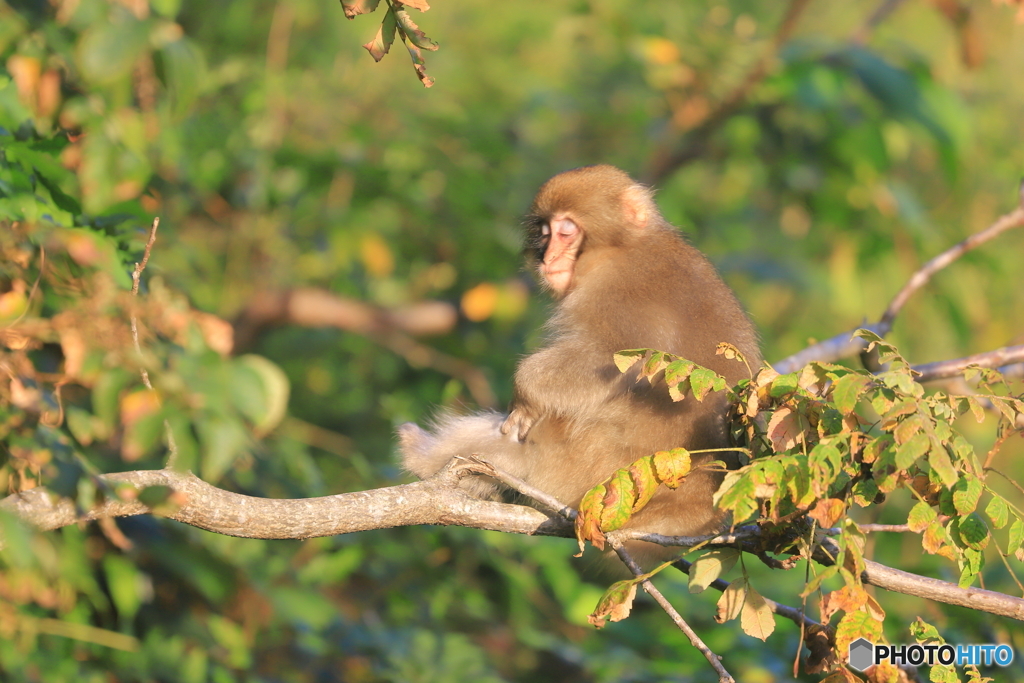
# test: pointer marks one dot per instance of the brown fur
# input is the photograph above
(635, 283)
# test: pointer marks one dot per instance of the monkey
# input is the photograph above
(621, 277)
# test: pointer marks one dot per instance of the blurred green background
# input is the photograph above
(279, 156)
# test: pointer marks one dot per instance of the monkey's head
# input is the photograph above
(580, 213)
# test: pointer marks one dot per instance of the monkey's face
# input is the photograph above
(558, 248)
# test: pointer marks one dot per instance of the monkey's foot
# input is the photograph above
(518, 424)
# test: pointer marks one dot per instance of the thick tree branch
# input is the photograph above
(899, 581)
(1007, 357)
(434, 501)
(392, 328)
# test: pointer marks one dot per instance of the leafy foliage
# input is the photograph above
(822, 441)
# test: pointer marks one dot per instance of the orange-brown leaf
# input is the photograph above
(785, 429)
(615, 604)
(827, 512)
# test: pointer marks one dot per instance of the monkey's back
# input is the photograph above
(666, 296)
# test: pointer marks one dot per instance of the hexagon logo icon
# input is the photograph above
(862, 654)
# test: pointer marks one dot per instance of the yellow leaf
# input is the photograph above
(756, 618)
(671, 467)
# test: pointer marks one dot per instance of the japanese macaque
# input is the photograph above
(622, 278)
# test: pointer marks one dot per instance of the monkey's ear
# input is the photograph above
(638, 205)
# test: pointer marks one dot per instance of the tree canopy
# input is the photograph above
(235, 244)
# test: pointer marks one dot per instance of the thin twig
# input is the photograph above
(477, 464)
(1014, 219)
(714, 660)
(844, 345)
(172, 446)
(136, 277)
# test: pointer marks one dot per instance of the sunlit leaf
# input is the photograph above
(354, 8)
(620, 494)
(413, 32)
(756, 618)
(615, 604)
(381, 43)
(710, 566)
(672, 467)
(998, 511)
(624, 360)
(731, 602)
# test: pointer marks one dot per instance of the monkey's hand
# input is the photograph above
(518, 423)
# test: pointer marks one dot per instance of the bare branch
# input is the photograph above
(844, 345)
(1006, 356)
(434, 501)
(172, 446)
(1014, 219)
(391, 328)
(899, 581)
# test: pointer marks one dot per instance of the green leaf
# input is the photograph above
(943, 466)
(847, 390)
(737, 493)
(909, 451)
(620, 494)
(123, 582)
(184, 442)
(106, 393)
(185, 74)
(973, 532)
(1016, 538)
(223, 439)
(784, 385)
(921, 515)
(703, 381)
(108, 51)
(272, 404)
(966, 494)
(998, 511)
(142, 435)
